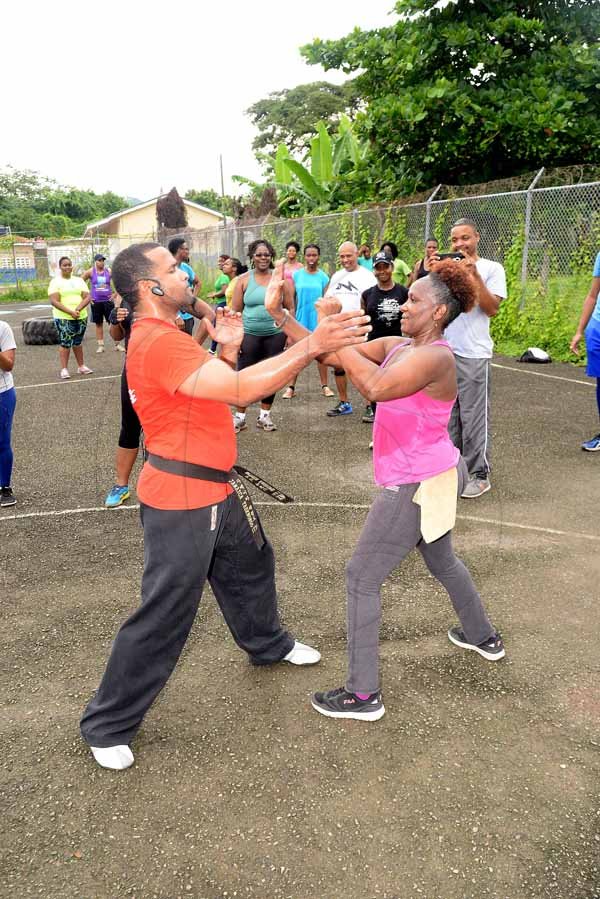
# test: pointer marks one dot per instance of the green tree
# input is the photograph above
(211, 199)
(32, 204)
(472, 91)
(288, 116)
(324, 183)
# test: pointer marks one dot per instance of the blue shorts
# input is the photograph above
(592, 346)
(70, 331)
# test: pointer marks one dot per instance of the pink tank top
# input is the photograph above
(288, 270)
(410, 436)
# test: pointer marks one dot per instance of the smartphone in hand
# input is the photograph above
(455, 256)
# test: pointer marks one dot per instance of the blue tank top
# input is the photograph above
(255, 317)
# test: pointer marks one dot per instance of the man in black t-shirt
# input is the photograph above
(382, 302)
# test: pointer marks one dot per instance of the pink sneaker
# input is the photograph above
(84, 370)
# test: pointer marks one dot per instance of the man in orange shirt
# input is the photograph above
(198, 524)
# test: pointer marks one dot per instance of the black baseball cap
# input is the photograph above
(382, 257)
(99, 257)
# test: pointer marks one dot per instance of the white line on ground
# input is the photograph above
(542, 374)
(23, 309)
(82, 379)
(539, 374)
(53, 513)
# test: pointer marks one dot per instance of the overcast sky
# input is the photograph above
(136, 97)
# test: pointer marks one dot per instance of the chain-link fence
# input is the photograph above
(542, 232)
(539, 232)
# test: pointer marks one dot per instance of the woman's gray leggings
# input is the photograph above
(391, 531)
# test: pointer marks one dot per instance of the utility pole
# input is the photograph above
(222, 189)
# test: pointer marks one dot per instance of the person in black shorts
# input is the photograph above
(102, 295)
(120, 321)
(382, 302)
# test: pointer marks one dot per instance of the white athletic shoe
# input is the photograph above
(116, 757)
(100, 348)
(239, 422)
(266, 423)
(64, 374)
(119, 348)
(84, 370)
(301, 654)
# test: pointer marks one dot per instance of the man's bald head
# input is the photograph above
(348, 253)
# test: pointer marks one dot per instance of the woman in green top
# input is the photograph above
(70, 298)
(262, 338)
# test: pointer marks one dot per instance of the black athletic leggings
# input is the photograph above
(255, 349)
(129, 438)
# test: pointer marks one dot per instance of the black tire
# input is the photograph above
(39, 332)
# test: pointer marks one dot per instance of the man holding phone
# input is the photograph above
(470, 339)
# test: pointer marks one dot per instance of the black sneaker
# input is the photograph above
(368, 416)
(341, 704)
(492, 649)
(7, 497)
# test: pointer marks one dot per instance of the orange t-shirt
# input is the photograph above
(159, 359)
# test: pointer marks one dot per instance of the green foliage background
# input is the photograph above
(31, 205)
(469, 91)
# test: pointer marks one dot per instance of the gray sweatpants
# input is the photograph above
(391, 531)
(469, 425)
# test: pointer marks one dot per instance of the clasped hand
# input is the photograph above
(337, 330)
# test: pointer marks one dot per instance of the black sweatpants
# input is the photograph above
(182, 549)
(255, 348)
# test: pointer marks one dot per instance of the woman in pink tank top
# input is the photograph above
(292, 263)
(413, 382)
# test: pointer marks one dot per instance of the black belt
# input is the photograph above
(233, 477)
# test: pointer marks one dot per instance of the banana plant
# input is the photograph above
(315, 184)
(330, 159)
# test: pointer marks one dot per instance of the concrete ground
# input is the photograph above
(480, 781)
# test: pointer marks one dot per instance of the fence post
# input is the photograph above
(528, 205)
(15, 265)
(428, 212)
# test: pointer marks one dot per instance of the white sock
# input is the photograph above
(100, 343)
(264, 413)
(241, 416)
